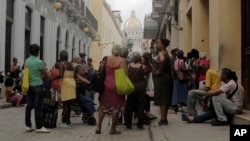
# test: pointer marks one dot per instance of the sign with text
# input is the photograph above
(239, 132)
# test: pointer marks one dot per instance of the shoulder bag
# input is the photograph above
(123, 84)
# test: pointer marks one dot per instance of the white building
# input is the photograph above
(24, 22)
(134, 32)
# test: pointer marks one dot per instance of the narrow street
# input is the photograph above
(13, 128)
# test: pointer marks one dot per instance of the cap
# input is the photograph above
(82, 54)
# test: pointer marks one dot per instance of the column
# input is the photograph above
(2, 41)
(2, 33)
(18, 31)
(214, 34)
(50, 43)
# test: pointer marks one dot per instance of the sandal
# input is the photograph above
(151, 117)
(114, 132)
(98, 131)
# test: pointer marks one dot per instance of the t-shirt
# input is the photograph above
(229, 88)
(213, 79)
(36, 67)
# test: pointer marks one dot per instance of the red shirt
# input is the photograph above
(56, 82)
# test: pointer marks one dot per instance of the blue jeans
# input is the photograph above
(34, 100)
(204, 117)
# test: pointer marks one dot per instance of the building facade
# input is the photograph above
(209, 26)
(24, 22)
(134, 32)
(109, 30)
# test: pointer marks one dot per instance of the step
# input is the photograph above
(242, 119)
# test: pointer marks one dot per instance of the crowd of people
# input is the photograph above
(178, 81)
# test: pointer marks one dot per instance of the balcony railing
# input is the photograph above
(91, 19)
(151, 28)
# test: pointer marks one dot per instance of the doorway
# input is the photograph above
(245, 6)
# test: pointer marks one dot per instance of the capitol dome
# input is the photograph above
(133, 22)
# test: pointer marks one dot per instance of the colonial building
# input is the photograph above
(109, 30)
(133, 30)
(210, 26)
(70, 27)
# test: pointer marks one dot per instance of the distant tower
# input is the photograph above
(133, 28)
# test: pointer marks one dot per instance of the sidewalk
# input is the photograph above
(178, 130)
(4, 103)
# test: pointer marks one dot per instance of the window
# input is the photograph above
(27, 31)
(42, 26)
(57, 43)
(28, 12)
(73, 48)
(84, 48)
(66, 39)
(79, 47)
(10, 9)
(8, 30)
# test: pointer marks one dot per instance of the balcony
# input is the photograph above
(91, 20)
(66, 2)
(158, 5)
(79, 13)
(151, 28)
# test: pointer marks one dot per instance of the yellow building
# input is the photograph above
(109, 30)
(217, 27)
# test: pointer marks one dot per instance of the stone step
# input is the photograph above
(242, 119)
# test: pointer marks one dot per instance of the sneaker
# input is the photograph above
(42, 130)
(66, 126)
(163, 122)
(219, 123)
(184, 117)
(29, 129)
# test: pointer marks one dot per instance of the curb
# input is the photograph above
(6, 105)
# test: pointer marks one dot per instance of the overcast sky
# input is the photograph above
(141, 7)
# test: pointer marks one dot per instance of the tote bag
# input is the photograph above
(123, 84)
(25, 81)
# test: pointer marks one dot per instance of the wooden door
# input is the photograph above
(246, 51)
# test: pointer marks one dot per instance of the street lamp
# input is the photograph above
(58, 5)
(85, 29)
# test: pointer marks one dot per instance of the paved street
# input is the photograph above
(13, 128)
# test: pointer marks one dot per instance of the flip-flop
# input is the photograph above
(114, 132)
(151, 117)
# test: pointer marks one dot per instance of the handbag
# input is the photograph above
(99, 78)
(25, 81)
(150, 86)
(123, 84)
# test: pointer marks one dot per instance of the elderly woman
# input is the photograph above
(110, 101)
(136, 100)
(161, 65)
